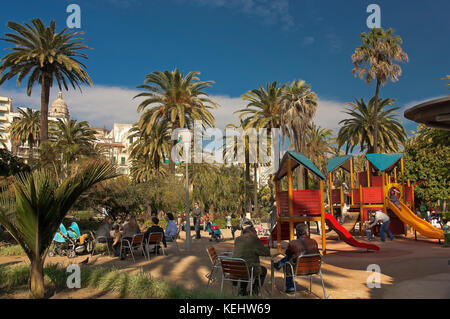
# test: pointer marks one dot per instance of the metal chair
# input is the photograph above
(236, 270)
(307, 266)
(155, 239)
(137, 241)
(215, 263)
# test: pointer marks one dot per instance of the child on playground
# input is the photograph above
(446, 229)
(368, 229)
(393, 197)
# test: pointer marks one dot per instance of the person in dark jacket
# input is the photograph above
(155, 228)
(303, 245)
(249, 247)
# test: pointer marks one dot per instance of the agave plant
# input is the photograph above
(35, 205)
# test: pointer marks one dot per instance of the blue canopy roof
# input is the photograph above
(336, 162)
(384, 162)
(299, 159)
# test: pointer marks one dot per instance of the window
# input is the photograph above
(122, 160)
(114, 159)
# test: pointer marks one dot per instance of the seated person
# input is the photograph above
(116, 240)
(249, 247)
(303, 245)
(155, 229)
(104, 231)
(119, 221)
(131, 228)
(171, 229)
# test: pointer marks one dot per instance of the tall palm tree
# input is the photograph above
(358, 130)
(233, 148)
(26, 129)
(45, 55)
(73, 139)
(176, 98)
(299, 105)
(152, 145)
(38, 205)
(263, 111)
(375, 60)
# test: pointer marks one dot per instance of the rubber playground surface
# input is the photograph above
(409, 269)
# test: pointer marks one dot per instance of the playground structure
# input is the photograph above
(296, 206)
(372, 193)
(369, 192)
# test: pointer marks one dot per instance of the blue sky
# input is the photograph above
(240, 44)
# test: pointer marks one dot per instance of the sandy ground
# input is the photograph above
(409, 269)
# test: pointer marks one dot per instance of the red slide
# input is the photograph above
(345, 235)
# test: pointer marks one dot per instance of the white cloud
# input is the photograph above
(105, 105)
(329, 113)
(100, 105)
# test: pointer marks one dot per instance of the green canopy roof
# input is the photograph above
(298, 159)
(337, 162)
(384, 162)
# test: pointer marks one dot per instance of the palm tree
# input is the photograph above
(33, 213)
(263, 108)
(374, 60)
(26, 129)
(263, 111)
(234, 149)
(358, 130)
(73, 139)
(45, 55)
(318, 145)
(175, 98)
(153, 145)
(299, 105)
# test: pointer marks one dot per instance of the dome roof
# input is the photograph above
(59, 108)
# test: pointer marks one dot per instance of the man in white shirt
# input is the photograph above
(379, 216)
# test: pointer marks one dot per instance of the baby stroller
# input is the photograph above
(213, 231)
(70, 242)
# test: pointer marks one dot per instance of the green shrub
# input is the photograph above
(11, 250)
(83, 214)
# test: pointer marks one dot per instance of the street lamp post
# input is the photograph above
(188, 223)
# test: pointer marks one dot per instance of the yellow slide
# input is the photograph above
(422, 226)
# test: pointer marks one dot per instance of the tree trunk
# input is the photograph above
(255, 201)
(37, 279)
(176, 125)
(247, 177)
(375, 137)
(30, 149)
(45, 97)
